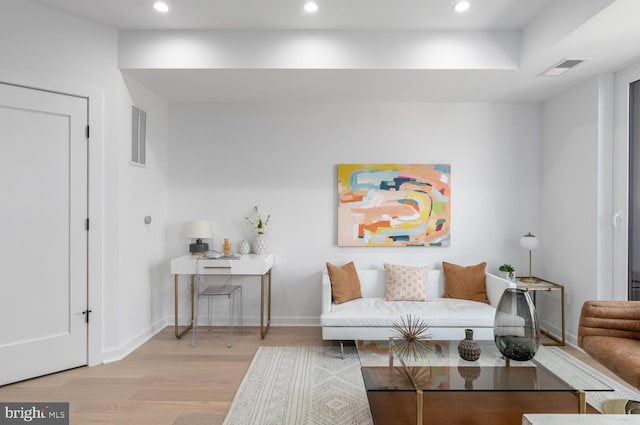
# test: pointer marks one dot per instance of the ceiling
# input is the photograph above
(289, 14)
(602, 31)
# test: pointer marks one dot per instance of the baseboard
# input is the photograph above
(116, 354)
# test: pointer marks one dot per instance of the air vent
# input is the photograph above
(138, 135)
(562, 67)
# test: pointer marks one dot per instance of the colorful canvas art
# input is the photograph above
(394, 205)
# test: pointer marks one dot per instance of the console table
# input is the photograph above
(249, 265)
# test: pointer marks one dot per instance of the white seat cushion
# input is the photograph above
(440, 312)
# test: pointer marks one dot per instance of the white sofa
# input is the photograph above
(371, 317)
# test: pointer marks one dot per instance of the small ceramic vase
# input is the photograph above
(244, 248)
(468, 348)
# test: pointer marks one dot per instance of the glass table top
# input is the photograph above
(442, 369)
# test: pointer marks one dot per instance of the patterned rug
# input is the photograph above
(301, 386)
(314, 386)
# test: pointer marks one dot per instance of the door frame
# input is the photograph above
(95, 100)
(621, 181)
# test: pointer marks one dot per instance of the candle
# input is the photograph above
(227, 247)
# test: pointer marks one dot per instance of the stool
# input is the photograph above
(233, 294)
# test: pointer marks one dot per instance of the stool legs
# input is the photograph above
(230, 327)
(234, 297)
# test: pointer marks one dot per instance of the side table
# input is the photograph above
(545, 285)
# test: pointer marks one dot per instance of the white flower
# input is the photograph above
(259, 225)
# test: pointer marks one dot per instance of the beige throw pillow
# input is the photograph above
(345, 283)
(465, 283)
(405, 283)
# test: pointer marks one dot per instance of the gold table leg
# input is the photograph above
(582, 402)
(176, 302)
(562, 302)
(418, 407)
(263, 329)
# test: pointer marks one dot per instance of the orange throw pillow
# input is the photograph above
(465, 283)
(345, 283)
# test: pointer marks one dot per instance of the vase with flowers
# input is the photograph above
(260, 229)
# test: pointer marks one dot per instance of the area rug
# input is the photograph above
(557, 359)
(301, 386)
(314, 386)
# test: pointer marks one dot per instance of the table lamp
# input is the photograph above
(198, 230)
(529, 242)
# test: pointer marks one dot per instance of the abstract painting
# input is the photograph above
(394, 205)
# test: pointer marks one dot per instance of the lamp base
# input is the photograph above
(529, 279)
(198, 248)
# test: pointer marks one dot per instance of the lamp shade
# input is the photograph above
(199, 229)
(529, 242)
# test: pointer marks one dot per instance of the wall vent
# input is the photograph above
(561, 67)
(138, 135)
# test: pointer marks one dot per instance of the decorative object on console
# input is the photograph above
(405, 283)
(260, 229)
(198, 230)
(508, 272)
(417, 196)
(260, 245)
(529, 242)
(226, 247)
(345, 283)
(468, 348)
(244, 248)
(465, 283)
(516, 328)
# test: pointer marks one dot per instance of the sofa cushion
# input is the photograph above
(345, 284)
(465, 283)
(440, 312)
(405, 283)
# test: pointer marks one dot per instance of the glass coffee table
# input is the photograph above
(443, 388)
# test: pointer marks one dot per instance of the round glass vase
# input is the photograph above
(516, 329)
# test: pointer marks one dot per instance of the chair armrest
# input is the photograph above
(326, 293)
(619, 319)
(495, 286)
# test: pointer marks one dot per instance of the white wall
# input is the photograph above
(570, 205)
(141, 297)
(226, 158)
(47, 49)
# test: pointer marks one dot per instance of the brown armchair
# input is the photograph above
(609, 331)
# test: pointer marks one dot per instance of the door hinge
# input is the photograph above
(87, 132)
(86, 315)
(87, 225)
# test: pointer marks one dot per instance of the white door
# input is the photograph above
(43, 236)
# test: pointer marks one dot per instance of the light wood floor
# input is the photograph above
(166, 381)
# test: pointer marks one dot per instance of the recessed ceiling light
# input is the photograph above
(161, 6)
(311, 7)
(461, 6)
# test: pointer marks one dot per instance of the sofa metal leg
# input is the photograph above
(342, 349)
